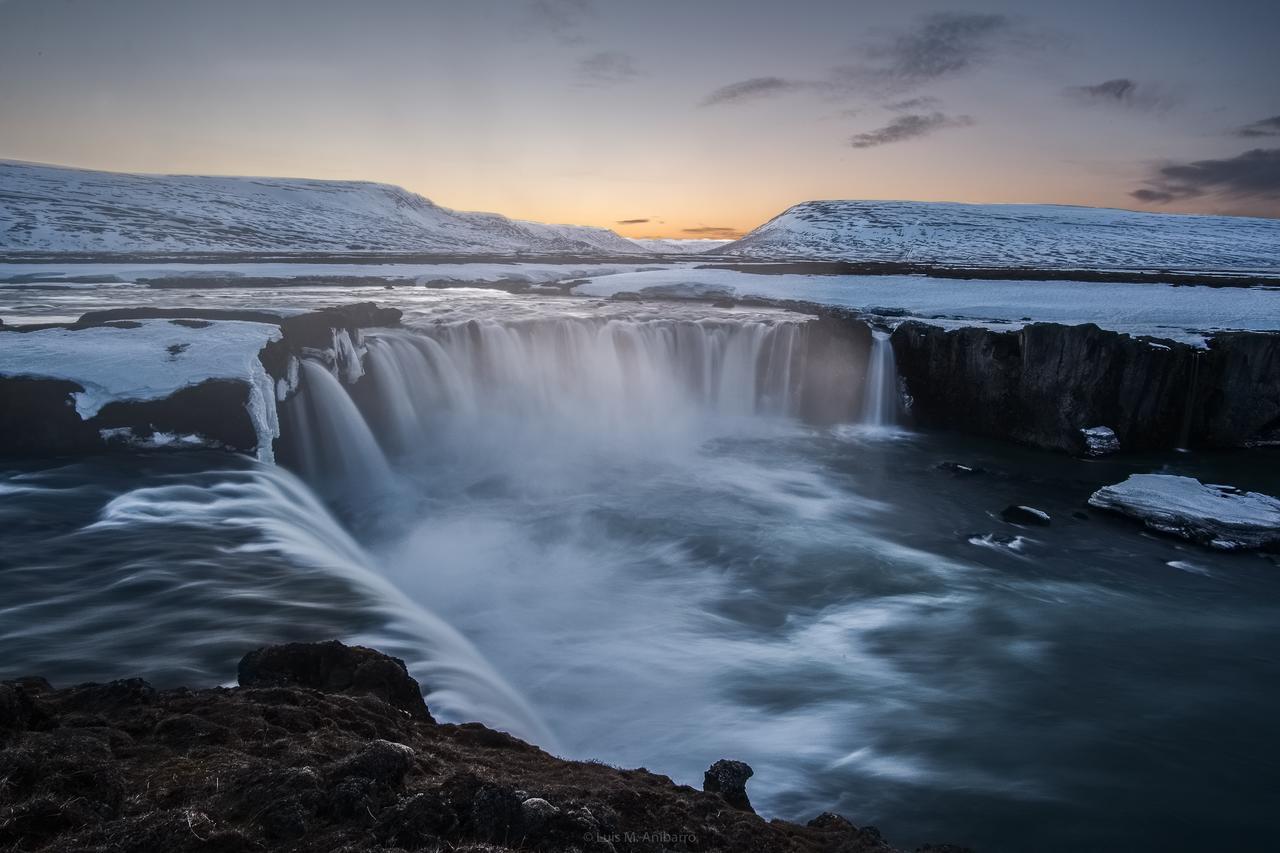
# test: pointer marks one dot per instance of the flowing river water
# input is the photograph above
(621, 535)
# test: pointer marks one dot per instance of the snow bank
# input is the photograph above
(1175, 312)
(1221, 517)
(149, 360)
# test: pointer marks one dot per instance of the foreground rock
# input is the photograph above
(329, 752)
(729, 780)
(1221, 517)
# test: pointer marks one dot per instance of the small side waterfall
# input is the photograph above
(880, 401)
(334, 441)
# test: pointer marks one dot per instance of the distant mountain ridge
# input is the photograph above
(1012, 235)
(61, 209)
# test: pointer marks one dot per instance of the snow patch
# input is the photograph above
(1218, 516)
(150, 360)
(1181, 313)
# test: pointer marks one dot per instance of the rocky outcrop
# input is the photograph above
(729, 780)
(333, 667)
(1043, 384)
(124, 767)
(38, 415)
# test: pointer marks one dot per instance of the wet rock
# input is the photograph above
(830, 820)
(497, 814)
(537, 815)
(1025, 515)
(284, 819)
(382, 762)
(416, 821)
(187, 731)
(19, 710)
(1099, 441)
(333, 667)
(729, 779)
(352, 797)
(1221, 517)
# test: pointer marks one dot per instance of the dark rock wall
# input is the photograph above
(1041, 384)
(38, 416)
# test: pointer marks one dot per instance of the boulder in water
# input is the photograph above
(1099, 441)
(334, 667)
(1221, 517)
(729, 779)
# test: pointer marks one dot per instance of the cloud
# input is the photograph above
(923, 103)
(756, 87)
(1120, 92)
(939, 46)
(1252, 176)
(632, 221)
(607, 68)
(907, 127)
(713, 231)
(562, 18)
(1262, 127)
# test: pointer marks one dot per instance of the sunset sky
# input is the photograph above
(674, 119)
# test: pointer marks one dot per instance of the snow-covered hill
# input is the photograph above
(1013, 235)
(57, 209)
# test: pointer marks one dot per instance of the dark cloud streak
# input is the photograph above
(608, 67)
(944, 45)
(1251, 176)
(713, 231)
(1119, 92)
(632, 221)
(907, 127)
(1262, 127)
(562, 18)
(941, 46)
(754, 88)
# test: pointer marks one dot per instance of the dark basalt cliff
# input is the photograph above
(37, 416)
(330, 747)
(1042, 384)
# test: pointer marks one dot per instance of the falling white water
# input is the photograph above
(650, 380)
(880, 402)
(335, 443)
(282, 516)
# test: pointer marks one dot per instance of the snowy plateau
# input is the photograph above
(56, 209)
(1013, 235)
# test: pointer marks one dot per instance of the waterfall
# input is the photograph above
(880, 400)
(276, 513)
(593, 382)
(335, 443)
